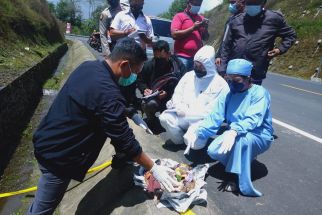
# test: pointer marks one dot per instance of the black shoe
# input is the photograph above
(155, 125)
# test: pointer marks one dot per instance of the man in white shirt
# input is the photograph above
(133, 23)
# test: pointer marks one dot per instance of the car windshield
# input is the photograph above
(161, 27)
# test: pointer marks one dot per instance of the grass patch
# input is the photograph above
(28, 32)
(55, 82)
(16, 58)
(304, 27)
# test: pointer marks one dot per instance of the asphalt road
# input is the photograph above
(289, 174)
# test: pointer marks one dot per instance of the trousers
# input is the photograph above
(50, 192)
(238, 159)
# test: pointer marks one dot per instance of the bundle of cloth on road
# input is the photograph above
(190, 192)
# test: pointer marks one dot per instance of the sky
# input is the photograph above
(151, 7)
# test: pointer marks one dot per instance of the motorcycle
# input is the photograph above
(95, 42)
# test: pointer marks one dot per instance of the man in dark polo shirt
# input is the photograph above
(88, 109)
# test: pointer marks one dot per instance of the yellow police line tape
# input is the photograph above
(31, 189)
(188, 212)
(91, 170)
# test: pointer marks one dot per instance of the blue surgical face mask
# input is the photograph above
(194, 9)
(253, 10)
(235, 87)
(129, 80)
(233, 8)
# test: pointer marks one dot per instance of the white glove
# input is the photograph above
(228, 141)
(190, 138)
(161, 174)
(170, 104)
(140, 122)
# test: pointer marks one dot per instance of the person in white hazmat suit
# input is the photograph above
(193, 99)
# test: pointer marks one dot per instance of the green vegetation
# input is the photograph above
(303, 16)
(175, 7)
(89, 25)
(28, 32)
(55, 82)
(68, 11)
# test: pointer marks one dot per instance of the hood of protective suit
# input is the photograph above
(206, 56)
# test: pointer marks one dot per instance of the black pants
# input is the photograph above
(151, 107)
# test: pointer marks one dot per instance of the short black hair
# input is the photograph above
(262, 1)
(128, 49)
(161, 45)
(130, 1)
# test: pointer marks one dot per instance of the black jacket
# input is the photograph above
(88, 109)
(151, 72)
(133, 103)
(251, 38)
(218, 52)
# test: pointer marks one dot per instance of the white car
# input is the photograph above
(161, 28)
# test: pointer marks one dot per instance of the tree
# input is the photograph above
(175, 7)
(52, 7)
(68, 11)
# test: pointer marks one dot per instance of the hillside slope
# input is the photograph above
(28, 32)
(305, 16)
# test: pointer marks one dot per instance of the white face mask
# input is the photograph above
(194, 9)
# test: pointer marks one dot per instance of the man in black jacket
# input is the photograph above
(252, 35)
(235, 7)
(88, 109)
(163, 66)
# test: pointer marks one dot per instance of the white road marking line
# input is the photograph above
(299, 131)
(296, 88)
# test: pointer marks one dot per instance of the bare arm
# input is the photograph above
(144, 160)
(117, 34)
(179, 34)
(145, 39)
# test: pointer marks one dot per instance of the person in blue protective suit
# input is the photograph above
(247, 111)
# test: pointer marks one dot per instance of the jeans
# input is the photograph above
(50, 192)
(188, 62)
